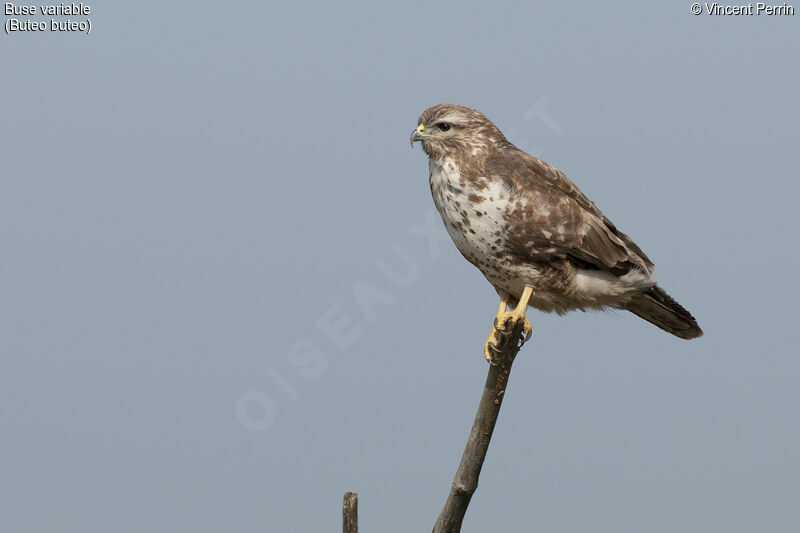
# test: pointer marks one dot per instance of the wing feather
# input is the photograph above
(554, 219)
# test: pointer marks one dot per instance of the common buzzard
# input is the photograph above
(535, 236)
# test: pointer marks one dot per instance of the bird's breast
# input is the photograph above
(473, 209)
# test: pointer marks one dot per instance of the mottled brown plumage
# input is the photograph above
(522, 222)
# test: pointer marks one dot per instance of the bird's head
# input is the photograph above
(448, 129)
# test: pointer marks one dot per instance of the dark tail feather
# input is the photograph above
(657, 307)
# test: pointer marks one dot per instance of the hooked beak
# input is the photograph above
(418, 135)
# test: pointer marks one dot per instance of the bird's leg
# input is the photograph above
(504, 323)
(491, 345)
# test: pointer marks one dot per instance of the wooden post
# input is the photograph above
(466, 479)
(350, 513)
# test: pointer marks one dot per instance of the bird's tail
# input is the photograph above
(657, 307)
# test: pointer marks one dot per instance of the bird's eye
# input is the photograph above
(444, 126)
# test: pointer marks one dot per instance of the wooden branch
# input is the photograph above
(466, 479)
(350, 513)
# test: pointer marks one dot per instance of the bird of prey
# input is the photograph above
(534, 235)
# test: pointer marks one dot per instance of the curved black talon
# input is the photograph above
(495, 352)
(525, 337)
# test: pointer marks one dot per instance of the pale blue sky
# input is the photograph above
(190, 189)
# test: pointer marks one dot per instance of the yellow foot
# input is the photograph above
(501, 337)
(505, 323)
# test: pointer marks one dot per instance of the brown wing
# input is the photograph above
(552, 218)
